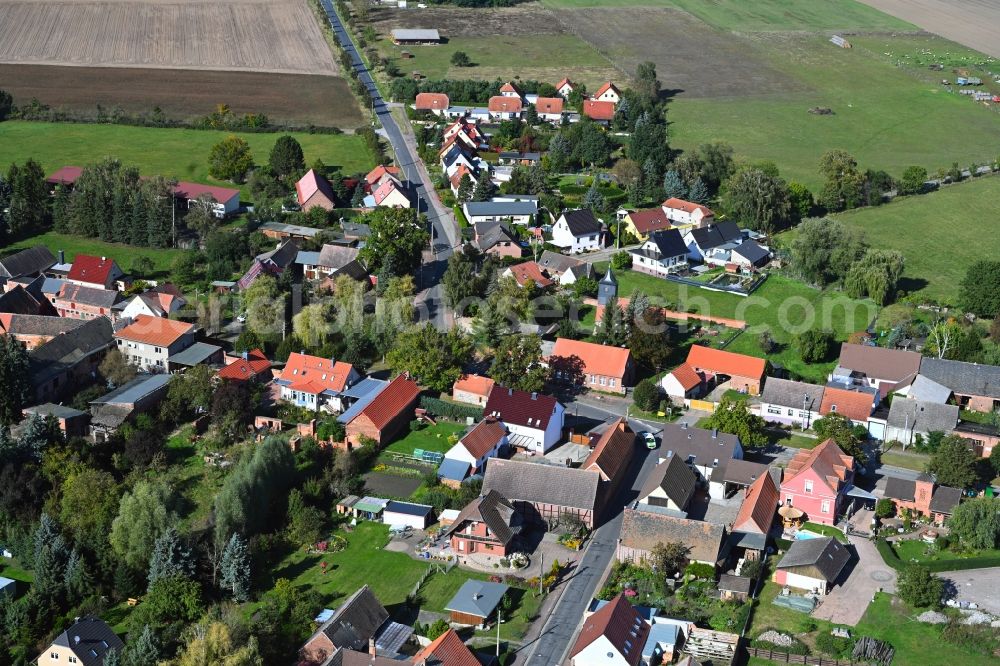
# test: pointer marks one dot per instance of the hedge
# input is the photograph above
(888, 554)
(450, 410)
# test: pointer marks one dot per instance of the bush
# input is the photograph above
(700, 570)
(439, 627)
(646, 395)
(918, 587)
(835, 646)
(885, 508)
(416, 425)
(450, 410)
(621, 260)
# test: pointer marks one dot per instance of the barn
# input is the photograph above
(415, 36)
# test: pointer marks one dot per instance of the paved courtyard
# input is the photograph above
(979, 585)
(849, 600)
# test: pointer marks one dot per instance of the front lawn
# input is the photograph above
(432, 438)
(916, 550)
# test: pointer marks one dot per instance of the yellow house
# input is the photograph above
(641, 223)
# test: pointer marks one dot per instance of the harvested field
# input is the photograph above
(293, 99)
(973, 23)
(691, 57)
(460, 22)
(273, 36)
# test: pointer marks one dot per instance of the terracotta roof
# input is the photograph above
(605, 88)
(446, 650)
(620, 624)
(385, 189)
(380, 172)
(686, 206)
(827, 460)
(158, 331)
(649, 220)
(493, 509)
(188, 190)
(92, 270)
(598, 110)
(391, 401)
(759, 504)
(855, 405)
(484, 437)
(501, 104)
(475, 384)
(432, 101)
(727, 363)
(878, 362)
(510, 87)
(529, 270)
(309, 184)
(66, 175)
(549, 105)
(255, 364)
(642, 530)
(564, 82)
(597, 359)
(686, 376)
(520, 407)
(613, 451)
(314, 374)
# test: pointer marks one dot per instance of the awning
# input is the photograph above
(854, 491)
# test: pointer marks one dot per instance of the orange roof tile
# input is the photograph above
(484, 437)
(619, 623)
(759, 504)
(827, 460)
(394, 398)
(501, 104)
(855, 405)
(563, 83)
(448, 650)
(613, 451)
(530, 271)
(313, 374)
(722, 362)
(431, 101)
(158, 331)
(474, 384)
(597, 359)
(598, 110)
(549, 105)
(380, 172)
(241, 369)
(510, 87)
(686, 206)
(649, 220)
(686, 376)
(605, 88)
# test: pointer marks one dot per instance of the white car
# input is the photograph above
(649, 438)
(242, 318)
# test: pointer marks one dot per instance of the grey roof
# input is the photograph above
(744, 472)
(488, 234)
(964, 378)
(892, 365)
(453, 469)
(337, 256)
(283, 255)
(25, 324)
(363, 387)
(67, 349)
(901, 489)
(716, 235)
(668, 243)
(409, 508)
(89, 639)
(752, 251)
(517, 155)
(558, 263)
(356, 621)
(659, 634)
(52, 285)
(27, 262)
(788, 393)
(477, 597)
(94, 296)
(921, 416)
(675, 478)
(356, 229)
(581, 222)
(642, 530)
(926, 389)
(416, 34)
(307, 258)
(945, 499)
(734, 583)
(290, 229)
(363, 401)
(133, 391)
(549, 484)
(825, 555)
(500, 208)
(197, 353)
(705, 446)
(54, 410)
(495, 511)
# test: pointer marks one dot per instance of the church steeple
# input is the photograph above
(607, 289)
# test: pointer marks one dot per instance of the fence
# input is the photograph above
(702, 405)
(786, 658)
(738, 291)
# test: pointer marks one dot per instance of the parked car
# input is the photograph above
(649, 438)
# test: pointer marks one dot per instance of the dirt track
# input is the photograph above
(254, 35)
(972, 23)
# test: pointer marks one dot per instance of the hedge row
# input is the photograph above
(888, 554)
(450, 410)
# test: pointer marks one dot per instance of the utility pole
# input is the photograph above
(498, 633)
(541, 573)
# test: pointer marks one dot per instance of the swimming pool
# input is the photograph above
(804, 535)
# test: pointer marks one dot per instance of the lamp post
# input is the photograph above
(499, 622)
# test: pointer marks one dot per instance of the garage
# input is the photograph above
(407, 514)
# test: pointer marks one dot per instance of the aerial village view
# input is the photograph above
(499, 332)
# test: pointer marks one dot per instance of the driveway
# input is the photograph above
(979, 585)
(848, 601)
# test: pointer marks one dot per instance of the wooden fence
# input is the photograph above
(786, 658)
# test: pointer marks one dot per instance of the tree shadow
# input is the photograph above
(911, 284)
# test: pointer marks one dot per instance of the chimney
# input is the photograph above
(103, 259)
(76, 640)
(372, 650)
(534, 396)
(510, 392)
(62, 257)
(715, 433)
(246, 355)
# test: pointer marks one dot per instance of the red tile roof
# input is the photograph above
(649, 220)
(529, 271)
(620, 624)
(380, 172)
(501, 104)
(686, 206)
(241, 369)
(432, 101)
(613, 451)
(605, 88)
(188, 190)
(446, 650)
(598, 110)
(521, 408)
(158, 331)
(510, 87)
(66, 175)
(549, 105)
(474, 384)
(92, 270)
(723, 362)
(855, 405)
(597, 359)
(462, 170)
(384, 190)
(309, 184)
(759, 504)
(484, 437)
(686, 376)
(314, 374)
(390, 403)
(827, 460)
(564, 82)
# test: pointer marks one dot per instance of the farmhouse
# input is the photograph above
(975, 386)
(527, 272)
(909, 418)
(612, 455)
(150, 342)
(681, 212)
(534, 422)
(578, 231)
(601, 113)
(383, 416)
(31, 262)
(316, 383)
(94, 272)
(472, 389)
(670, 486)
(77, 302)
(69, 360)
(436, 103)
(615, 635)
(513, 212)
(597, 367)
(791, 403)
(415, 36)
(273, 262)
(856, 406)
(924, 496)
(874, 367)
(35, 330)
(641, 223)
(707, 452)
(497, 239)
(502, 107)
(313, 190)
(565, 270)
(816, 481)
(662, 253)
(488, 524)
(643, 530)
(744, 373)
(356, 622)
(486, 440)
(812, 564)
(545, 493)
(607, 93)
(113, 409)
(549, 108)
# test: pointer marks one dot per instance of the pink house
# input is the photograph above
(816, 481)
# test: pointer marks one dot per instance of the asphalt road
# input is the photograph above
(444, 233)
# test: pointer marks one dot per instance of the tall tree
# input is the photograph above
(733, 417)
(14, 377)
(673, 186)
(143, 650)
(698, 192)
(465, 188)
(28, 205)
(484, 189)
(286, 158)
(230, 159)
(170, 558)
(245, 501)
(433, 357)
(756, 199)
(954, 463)
(236, 572)
(979, 291)
(517, 363)
(976, 522)
(844, 181)
(396, 234)
(143, 515)
(646, 83)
